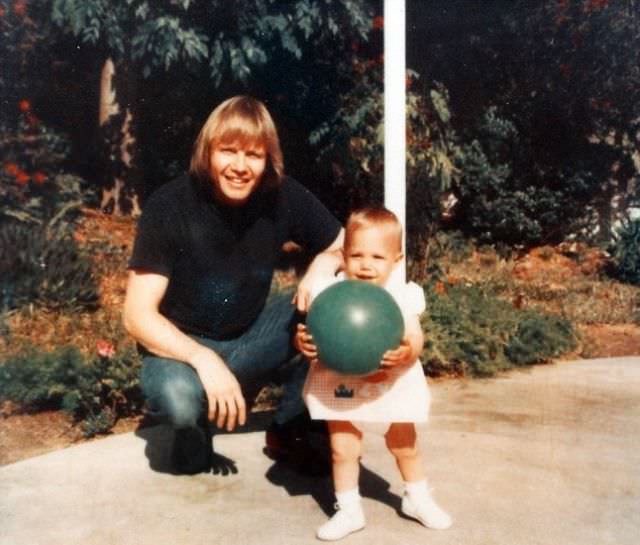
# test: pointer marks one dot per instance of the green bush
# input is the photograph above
(539, 338)
(37, 266)
(625, 251)
(470, 331)
(96, 391)
(34, 189)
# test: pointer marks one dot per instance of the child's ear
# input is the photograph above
(398, 258)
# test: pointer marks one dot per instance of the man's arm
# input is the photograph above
(143, 321)
(324, 265)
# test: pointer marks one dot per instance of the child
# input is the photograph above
(396, 395)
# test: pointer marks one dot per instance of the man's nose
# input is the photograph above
(239, 161)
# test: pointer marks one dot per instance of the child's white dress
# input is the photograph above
(398, 394)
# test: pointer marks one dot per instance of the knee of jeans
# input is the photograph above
(183, 404)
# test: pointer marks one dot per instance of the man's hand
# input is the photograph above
(402, 355)
(226, 403)
(303, 341)
(325, 265)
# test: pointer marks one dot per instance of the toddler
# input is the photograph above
(396, 395)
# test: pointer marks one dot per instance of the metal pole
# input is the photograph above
(394, 108)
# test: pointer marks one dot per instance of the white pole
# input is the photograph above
(394, 108)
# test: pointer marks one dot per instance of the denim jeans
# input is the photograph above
(175, 394)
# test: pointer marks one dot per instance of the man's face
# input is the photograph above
(237, 170)
(371, 255)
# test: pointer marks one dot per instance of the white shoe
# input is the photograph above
(345, 521)
(427, 512)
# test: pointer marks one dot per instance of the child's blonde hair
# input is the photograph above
(373, 216)
(240, 119)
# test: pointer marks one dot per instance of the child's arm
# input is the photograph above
(411, 346)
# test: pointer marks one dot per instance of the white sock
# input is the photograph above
(348, 498)
(417, 490)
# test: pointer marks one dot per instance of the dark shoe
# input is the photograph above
(192, 451)
(302, 444)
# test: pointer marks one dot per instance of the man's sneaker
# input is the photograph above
(302, 444)
(345, 521)
(428, 513)
(192, 450)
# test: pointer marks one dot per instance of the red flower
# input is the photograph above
(440, 288)
(22, 178)
(11, 168)
(39, 177)
(20, 8)
(378, 22)
(105, 349)
(24, 105)
(32, 120)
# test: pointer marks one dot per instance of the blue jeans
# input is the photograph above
(173, 389)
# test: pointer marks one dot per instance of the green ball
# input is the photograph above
(353, 323)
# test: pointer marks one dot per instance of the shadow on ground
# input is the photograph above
(294, 478)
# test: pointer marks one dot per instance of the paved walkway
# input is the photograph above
(546, 456)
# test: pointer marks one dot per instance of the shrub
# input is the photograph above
(37, 266)
(470, 331)
(96, 391)
(34, 188)
(625, 251)
(539, 338)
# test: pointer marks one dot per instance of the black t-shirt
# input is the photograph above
(220, 260)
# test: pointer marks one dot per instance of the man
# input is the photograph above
(200, 273)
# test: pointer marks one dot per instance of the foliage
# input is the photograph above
(470, 331)
(352, 143)
(34, 188)
(564, 74)
(44, 267)
(626, 251)
(500, 203)
(95, 391)
(539, 338)
(295, 55)
(230, 39)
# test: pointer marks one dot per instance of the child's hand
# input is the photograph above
(303, 341)
(398, 356)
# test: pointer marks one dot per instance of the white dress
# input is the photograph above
(398, 394)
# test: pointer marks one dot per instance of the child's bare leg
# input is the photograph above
(417, 503)
(402, 441)
(346, 447)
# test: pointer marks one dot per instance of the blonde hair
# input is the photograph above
(240, 119)
(373, 216)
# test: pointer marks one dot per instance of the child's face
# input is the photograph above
(371, 255)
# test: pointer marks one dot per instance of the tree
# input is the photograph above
(563, 74)
(214, 42)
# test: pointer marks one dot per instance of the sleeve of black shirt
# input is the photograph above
(154, 245)
(312, 225)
